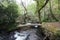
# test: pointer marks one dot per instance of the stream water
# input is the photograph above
(20, 35)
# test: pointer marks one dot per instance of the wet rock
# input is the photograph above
(24, 35)
(29, 34)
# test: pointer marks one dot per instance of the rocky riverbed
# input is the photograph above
(29, 34)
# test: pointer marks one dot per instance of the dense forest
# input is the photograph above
(26, 14)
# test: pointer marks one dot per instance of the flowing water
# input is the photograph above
(29, 34)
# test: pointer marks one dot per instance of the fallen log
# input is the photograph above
(24, 25)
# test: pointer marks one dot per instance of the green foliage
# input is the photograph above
(32, 8)
(40, 3)
(8, 14)
(50, 12)
(58, 33)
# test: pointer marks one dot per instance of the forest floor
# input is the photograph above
(51, 26)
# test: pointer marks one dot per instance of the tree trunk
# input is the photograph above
(52, 15)
(39, 10)
(25, 11)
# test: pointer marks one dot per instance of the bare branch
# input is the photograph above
(24, 11)
(43, 5)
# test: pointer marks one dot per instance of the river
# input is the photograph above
(30, 34)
